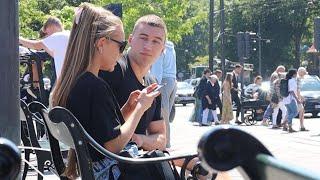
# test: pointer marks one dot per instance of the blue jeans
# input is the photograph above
(292, 111)
(102, 168)
(268, 112)
(199, 111)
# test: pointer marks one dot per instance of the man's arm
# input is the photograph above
(34, 44)
(156, 138)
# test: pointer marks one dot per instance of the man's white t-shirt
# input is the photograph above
(292, 86)
(57, 43)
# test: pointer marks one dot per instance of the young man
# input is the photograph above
(200, 93)
(218, 73)
(235, 90)
(146, 42)
(55, 43)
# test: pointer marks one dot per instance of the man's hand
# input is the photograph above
(138, 139)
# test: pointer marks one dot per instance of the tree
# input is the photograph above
(285, 22)
(174, 13)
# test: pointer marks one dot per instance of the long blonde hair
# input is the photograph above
(228, 80)
(92, 24)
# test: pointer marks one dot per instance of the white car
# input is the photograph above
(184, 94)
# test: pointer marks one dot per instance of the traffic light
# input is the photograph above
(317, 33)
(240, 44)
(247, 40)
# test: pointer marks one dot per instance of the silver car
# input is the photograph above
(184, 94)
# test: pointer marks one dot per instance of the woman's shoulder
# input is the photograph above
(89, 82)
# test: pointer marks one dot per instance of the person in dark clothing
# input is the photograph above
(209, 100)
(96, 42)
(123, 81)
(147, 42)
(235, 90)
(199, 94)
(217, 87)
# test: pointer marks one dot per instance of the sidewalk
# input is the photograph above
(301, 148)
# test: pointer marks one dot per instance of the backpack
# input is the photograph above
(156, 171)
(284, 89)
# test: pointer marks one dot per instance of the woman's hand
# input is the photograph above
(133, 99)
(131, 103)
(138, 139)
(146, 97)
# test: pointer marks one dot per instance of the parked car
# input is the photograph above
(187, 81)
(184, 94)
(194, 82)
(310, 90)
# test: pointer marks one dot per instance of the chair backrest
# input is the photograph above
(37, 107)
(66, 128)
(27, 116)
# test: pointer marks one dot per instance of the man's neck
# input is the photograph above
(235, 72)
(139, 71)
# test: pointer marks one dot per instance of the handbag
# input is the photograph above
(157, 171)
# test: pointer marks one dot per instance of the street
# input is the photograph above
(300, 148)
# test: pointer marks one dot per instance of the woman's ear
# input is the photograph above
(100, 42)
(129, 39)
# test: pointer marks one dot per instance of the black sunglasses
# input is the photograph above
(122, 45)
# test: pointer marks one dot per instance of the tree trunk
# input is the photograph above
(297, 52)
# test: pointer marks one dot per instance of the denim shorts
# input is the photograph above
(102, 168)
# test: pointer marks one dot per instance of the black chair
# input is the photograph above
(33, 144)
(225, 148)
(26, 141)
(65, 128)
(41, 148)
(58, 152)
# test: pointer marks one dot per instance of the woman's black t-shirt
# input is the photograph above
(92, 102)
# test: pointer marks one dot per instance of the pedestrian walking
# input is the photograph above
(227, 112)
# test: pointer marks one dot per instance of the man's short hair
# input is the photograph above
(218, 71)
(237, 66)
(257, 78)
(52, 21)
(152, 20)
(207, 70)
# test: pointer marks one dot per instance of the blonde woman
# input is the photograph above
(227, 112)
(96, 42)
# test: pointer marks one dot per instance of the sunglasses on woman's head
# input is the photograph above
(122, 45)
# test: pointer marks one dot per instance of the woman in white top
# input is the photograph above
(291, 101)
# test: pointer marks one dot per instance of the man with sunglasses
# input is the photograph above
(146, 43)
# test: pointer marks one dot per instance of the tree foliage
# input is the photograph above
(287, 23)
